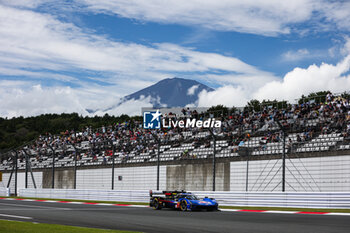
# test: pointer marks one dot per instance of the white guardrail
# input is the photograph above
(88, 194)
(295, 199)
(304, 200)
(5, 192)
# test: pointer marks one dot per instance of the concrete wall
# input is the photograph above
(64, 179)
(198, 177)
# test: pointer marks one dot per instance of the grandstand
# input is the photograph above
(312, 129)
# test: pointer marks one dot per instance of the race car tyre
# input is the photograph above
(183, 205)
(213, 209)
(156, 204)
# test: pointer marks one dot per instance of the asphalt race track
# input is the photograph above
(149, 220)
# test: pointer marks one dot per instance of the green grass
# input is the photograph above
(29, 227)
(221, 207)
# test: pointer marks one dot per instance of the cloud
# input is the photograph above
(20, 99)
(345, 50)
(263, 17)
(248, 82)
(192, 90)
(227, 95)
(236, 90)
(40, 49)
(304, 81)
(293, 85)
(23, 3)
(65, 47)
(306, 54)
(131, 107)
(266, 17)
(64, 99)
(292, 55)
(337, 13)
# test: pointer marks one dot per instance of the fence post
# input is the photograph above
(113, 152)
(9, 181)
(214, 157)
(158, 163)
(283, 155)
(53, 167)
(26, 172)
(247, 171)
(284, 162)
(16, 170)
(29, 165)
(75, 167)
(214, 162)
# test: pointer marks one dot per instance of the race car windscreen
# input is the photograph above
(192, 197)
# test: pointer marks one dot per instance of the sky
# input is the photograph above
(69, 56)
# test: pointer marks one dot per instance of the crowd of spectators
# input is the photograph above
(309, 118)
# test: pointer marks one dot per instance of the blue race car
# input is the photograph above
(181, 200)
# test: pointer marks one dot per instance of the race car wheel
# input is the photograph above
(213, 209)
(156, 204)
(183, 205)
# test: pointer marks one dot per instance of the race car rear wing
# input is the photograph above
(165, 193)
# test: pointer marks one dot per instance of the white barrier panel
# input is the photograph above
(305, 200)
(295, 199)
(5, 192)
(84, 194)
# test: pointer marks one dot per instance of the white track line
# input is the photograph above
(229, 210)
(49, 201)
(15, 216)
(280, 212)
(344, 214)
(35, 206)
(138, 206)
(285, 212)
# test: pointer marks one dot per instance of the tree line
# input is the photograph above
(16, 131)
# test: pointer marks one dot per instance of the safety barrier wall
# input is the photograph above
(315, 174)
(280, 199)
(305, 200)
(5, 192)
(86, 194)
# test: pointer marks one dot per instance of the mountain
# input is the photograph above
(172, 92)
